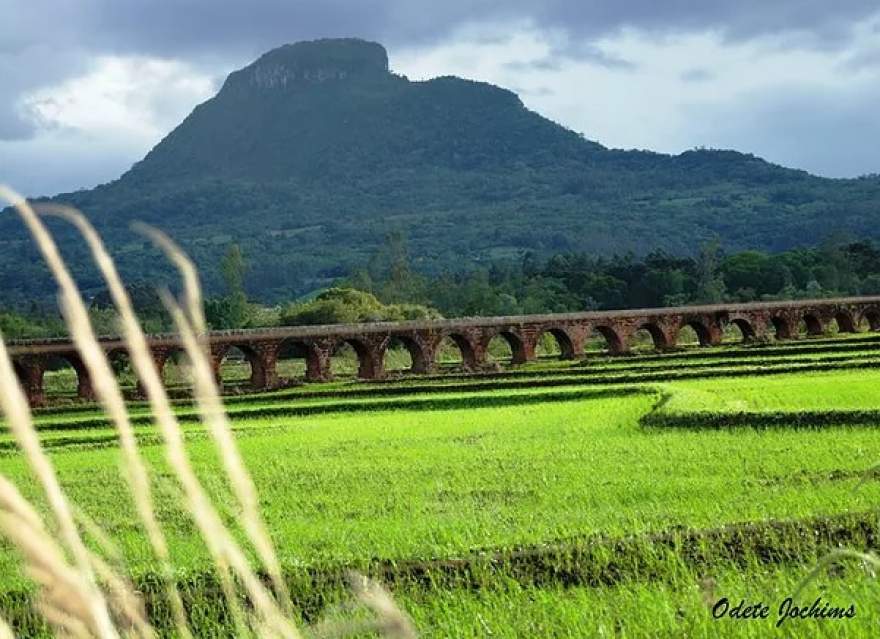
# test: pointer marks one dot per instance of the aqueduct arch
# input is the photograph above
(465, 348)
(704, 336)
(162, 357)
(422, 338)
(84, 388)
(563, 341)
(369, 362)
(782, 327)
(514, 341)
(316, 362)
(658, 337)
(613, 340)
(20, 373)
(746, 330)
(845, 322)
(813, 323)
(420, 361)
(872, 317)
(258, 375)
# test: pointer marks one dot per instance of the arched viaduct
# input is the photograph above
(316, 344)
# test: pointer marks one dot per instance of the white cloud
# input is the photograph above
(92, 127)
(653, 102)
(777, 95)
(140, 98)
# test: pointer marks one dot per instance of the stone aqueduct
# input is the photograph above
(316, 344)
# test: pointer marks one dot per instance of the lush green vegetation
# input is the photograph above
(345, 305)
(389, 288)
(568, 493)
(578, 282)
(311, 176)
(674, 607)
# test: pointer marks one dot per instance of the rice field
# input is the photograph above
(609, 496)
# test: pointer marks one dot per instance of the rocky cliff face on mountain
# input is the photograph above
(308, 63)
(309, 156)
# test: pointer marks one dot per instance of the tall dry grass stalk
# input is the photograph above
(91, 597)
(112, 400)
(65, 599)
(18, 414)
(220, 541)
(191, 287)
(5, 630)
(211, 408)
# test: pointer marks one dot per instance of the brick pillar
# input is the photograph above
(578, 336)
(84, 388)
(218, 352)
(616, 337)
(427, 342)
(318, 360)
(423, 359)
(716, 333)
(160, 358)
(371, 357)
(481, 349)
(30, 371)
(473, 355)
(528, 336)
(785, 324)
(264, 373)
(421, 352)
(667, 334)
(522, 349)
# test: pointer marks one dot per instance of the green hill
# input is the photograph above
(309, 156)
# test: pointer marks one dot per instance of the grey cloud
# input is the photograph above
(23, 69)
(534, 92)
(697, 75)
(541, 64)
(60, 164)
(44, 41)
(827, 24)
(219, 35)
(836, 136)
(13, 124)
(863, 60)
(207, 27)
(587, 52)
(557, 57)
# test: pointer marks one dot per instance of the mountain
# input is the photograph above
(309, 156)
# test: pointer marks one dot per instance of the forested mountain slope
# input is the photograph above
(308, 157)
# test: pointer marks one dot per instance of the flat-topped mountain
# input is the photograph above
(309, 156)
(332, 107)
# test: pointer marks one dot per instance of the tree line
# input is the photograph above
(569, 282)
(389, 288)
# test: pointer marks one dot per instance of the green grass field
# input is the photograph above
(611, 496)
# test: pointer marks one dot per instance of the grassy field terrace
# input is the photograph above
(606, 496)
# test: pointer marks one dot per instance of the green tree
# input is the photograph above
(347, 305)
(389, 273)
(231, 310)
(710, 284)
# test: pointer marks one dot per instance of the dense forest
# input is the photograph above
(389, 288)
(313, 154)
(578, 282)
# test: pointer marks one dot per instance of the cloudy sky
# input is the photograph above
(89, 86)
